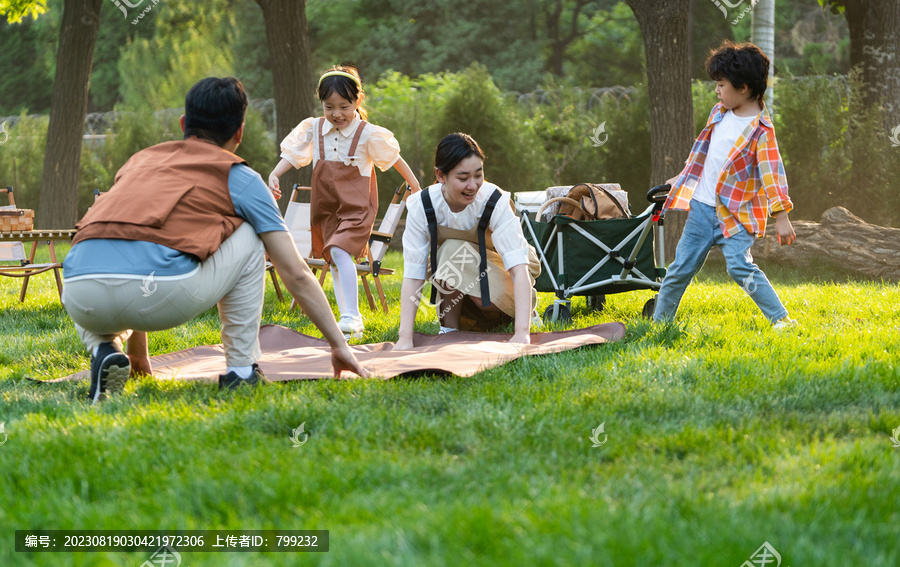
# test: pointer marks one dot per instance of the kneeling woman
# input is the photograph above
(464, 232)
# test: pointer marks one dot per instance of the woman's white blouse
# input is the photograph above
(377, 145)
(507, 235)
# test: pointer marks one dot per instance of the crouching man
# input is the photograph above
(186, 226)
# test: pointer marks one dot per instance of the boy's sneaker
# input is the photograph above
(231, 380)
(110, 369)
(352, 327)
(784, 324)
(445, 330)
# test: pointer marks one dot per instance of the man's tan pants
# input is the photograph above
(108, 309)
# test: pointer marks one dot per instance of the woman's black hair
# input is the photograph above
(453, 149)
(345, 87)
(214, 109)
(742, 64)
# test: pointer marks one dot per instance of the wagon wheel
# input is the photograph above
(595, 302)
(559, 311)
(649, 307)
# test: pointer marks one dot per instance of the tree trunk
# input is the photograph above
(664, 30)
(875, 47)
(763, 35)
(58, 203)
(292, 74)
(842, 241)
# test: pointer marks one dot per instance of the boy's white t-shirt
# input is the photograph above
(724, 135)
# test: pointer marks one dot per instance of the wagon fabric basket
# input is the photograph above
(595, 258)
(14, 220)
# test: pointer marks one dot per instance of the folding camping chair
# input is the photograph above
(24, 266)
(297, 217)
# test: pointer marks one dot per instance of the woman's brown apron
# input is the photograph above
(458, 268)
(343, 203)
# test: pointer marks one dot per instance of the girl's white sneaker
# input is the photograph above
(352, 327)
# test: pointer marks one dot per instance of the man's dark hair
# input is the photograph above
(214, 109)
(741, 64)
(453, 149)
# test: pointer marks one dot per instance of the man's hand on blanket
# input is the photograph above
(342, 358)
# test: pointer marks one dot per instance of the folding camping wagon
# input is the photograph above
(598, 257)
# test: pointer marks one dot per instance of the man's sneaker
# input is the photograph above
(109, 371)
(784, 324)
(231, 380)
(445, 330)
(352, 327)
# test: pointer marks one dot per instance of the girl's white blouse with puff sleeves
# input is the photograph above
(376, 146)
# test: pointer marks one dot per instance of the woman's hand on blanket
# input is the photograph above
(522, 338)
(342, 358)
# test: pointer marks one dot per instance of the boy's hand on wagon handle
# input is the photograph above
(784, 230)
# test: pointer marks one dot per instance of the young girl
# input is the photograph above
(343, 149)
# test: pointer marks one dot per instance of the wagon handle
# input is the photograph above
(573, 202)
(659, 193)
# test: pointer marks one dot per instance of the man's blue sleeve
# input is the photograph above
(253, 201)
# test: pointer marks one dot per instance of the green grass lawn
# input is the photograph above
(722, 435)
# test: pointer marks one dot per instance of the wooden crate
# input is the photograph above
(13, 220)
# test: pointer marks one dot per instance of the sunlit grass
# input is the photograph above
(722, 434)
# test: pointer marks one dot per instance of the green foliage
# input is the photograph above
(27, 65)
(252, 60)
(22, 158)
(257, 145)
(475, 105)
(704, 96)
(407, 106)
(610, 52)
(565, 120)
(835, 149)
(158, 72)
(16, 10)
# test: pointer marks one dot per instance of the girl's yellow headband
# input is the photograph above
(339, 74)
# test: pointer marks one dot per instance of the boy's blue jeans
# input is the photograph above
(701, 233)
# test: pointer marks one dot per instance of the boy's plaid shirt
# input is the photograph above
(751, 184)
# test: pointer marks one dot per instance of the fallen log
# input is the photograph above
(841, 240)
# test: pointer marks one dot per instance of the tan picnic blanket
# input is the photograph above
(289, 355)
